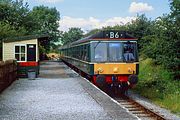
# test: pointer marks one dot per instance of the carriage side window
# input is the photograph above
(86, 52)
(20, 52)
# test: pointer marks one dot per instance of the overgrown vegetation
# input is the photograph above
(157, 84)
(73, 34)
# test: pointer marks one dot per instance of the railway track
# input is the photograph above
(137, 109)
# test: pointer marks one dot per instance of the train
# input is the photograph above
(107, 59)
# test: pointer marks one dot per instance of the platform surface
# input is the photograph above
(58, 94)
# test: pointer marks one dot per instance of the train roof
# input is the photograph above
(106, 35)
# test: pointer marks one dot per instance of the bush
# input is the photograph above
(157, 84)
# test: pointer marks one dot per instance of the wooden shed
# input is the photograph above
(25, 50)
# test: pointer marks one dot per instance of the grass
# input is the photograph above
(157, 84)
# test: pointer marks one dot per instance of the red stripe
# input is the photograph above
(28, 63)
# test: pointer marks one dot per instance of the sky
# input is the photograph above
(91, 14)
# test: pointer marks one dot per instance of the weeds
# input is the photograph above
(157, 84)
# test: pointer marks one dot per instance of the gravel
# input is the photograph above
(48, 99)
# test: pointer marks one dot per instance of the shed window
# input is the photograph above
(20, 52)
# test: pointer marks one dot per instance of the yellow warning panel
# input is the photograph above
(115, 68)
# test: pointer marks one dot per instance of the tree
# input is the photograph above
(12, 16)
(94, 31)
(175, 11)
(140, 28)
(72, 35)
(7, 30)
(13, 12)
(164, 45)
(44, 20)
(174, 35)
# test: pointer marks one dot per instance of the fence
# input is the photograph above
(8, 73)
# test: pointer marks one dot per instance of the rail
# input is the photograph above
(8, 73)
(137, 109)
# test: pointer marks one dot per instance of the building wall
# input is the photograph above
(8, 48)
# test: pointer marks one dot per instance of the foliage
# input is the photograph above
(44, 20)
(156, 83)
(152, 75)
(55, 48)
(175, 11)
(72, 35)
(163, 46)
(13, 12)
(12, 15)
(94, 31)
(7, 30)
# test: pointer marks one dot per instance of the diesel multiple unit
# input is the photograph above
(108, 58)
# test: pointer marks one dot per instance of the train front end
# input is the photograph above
(115, 61)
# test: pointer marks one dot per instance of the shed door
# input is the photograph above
(31, 52)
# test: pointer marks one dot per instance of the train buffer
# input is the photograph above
(58, 94)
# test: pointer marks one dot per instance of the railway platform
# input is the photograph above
(58, 94)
